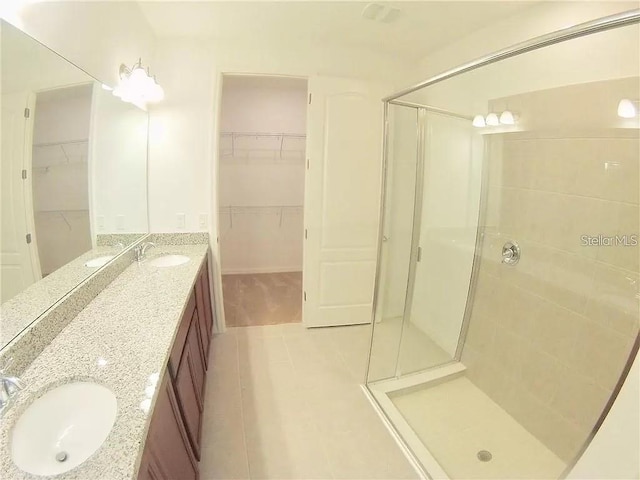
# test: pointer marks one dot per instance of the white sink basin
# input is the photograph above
(63, 428)
(168, 261)
(98, 262)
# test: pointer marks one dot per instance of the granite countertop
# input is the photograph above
(18, 312)
(122, 340)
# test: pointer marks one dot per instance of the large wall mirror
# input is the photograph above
(73, 178)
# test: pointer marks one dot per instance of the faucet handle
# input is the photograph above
(13, 384)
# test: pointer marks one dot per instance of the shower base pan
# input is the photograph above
(455, 431)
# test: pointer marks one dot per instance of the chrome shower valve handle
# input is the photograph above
(510, 253)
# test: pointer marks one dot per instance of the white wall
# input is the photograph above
(261, 188)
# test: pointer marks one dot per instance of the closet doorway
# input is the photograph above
(261, 182)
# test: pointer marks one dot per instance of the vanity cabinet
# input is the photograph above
(167, 454)
(173, 442)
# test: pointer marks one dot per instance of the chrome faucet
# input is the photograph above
(140, 250)
(9, 388)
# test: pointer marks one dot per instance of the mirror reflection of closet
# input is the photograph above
(60, 174)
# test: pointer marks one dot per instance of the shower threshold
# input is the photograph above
(453, 430)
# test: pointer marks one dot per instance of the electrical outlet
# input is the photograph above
(182, 221)
(120, 223)
(100, 222)
(203, 221)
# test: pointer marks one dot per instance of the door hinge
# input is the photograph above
(28, 238)
(27, 112)
(305, 233)
(305, 296)
(308, 164)
(309, 99)
(24, 174)
(419, 254)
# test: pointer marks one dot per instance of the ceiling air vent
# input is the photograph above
(380, 13)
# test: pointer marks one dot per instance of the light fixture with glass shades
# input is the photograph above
(136, 85)
(478, 121)
(492, 120)
(507, 117)
(628, 108)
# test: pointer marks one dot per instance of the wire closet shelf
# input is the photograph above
(285, 147)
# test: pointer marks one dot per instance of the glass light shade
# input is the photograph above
(155, 93)
(138, 79)
(478, 121)
(506, 118)
(627, 109)
(492, 120)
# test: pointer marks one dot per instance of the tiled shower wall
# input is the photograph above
(549, 337)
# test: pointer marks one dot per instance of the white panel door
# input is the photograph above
(17, 270)
(342, 195)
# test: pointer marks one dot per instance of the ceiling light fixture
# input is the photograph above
(136, 85)
(507, 118)
(478, 121)
(628, 108)
(492, 120)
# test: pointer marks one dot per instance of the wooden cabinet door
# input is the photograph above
(167, 454)
(204, 311)
(190, 385)
(180, 341)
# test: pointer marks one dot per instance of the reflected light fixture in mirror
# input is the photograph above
(628, 108)
(137, 86)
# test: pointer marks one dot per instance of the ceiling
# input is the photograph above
(420, 28)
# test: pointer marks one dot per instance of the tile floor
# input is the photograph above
(262, 298)
(284, 402)
(455, 420)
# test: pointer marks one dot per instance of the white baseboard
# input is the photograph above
(245, 271)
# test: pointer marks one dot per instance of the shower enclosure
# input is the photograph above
(507, 294)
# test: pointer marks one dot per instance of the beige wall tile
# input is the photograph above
(580, 399)
(619, 157)
(549, 337)
(569, 281)
(601, 354)
(556, 331)
(624, 221)
(614, 300)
